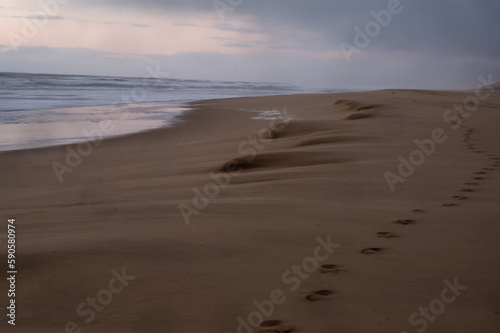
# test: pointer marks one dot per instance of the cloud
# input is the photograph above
(229, 27)
(57, 18)
(30, 17)
(183, 24)
(15, 8)
(137, 25)
(439, 43)
(236, 45)
(440, 27)
(157, 6)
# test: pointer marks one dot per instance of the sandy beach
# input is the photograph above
(353, 212)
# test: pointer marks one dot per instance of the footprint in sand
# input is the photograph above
(468, 190)
(325, 269)
(459, 197)
(418, 211)
(371, 250)
(449, 205)
(271, 323)
(404, 221)
(319, 295)
(387, 234)
(275, 326)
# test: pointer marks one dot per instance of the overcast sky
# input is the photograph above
(420, 44)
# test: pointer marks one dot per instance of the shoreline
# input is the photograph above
(267, 203)
(182, 106)
(79, 120)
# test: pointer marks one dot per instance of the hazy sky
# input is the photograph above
(421, 43)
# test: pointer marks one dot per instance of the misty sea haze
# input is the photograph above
(38, 110)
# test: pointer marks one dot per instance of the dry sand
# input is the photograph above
(319, 175)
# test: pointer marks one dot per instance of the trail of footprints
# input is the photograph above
(277, 326)
(492, 164)
(274, 326)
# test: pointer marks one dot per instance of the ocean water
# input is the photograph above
(38, 110)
